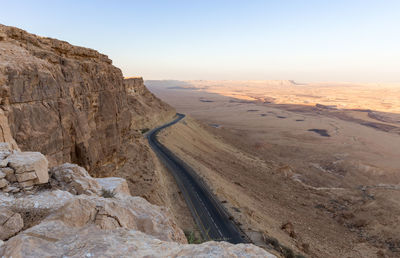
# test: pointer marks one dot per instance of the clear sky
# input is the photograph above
(303, 40)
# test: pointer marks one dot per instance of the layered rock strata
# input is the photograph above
(71, 104)
(21, 170)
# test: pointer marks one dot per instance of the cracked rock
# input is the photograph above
(10, 223)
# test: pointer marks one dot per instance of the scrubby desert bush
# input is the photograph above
(107, 193)
(191, 237)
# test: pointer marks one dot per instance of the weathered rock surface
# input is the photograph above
(29, 166)
(116, 185)
(21, 169)
(3, 183)
(143, 104)
(46, 200)
(9, 174)
(5, 132)
(5, 151)
(82, 210)
(10, 223)
(84, 205)
(55, 239)
(110, 213)
(89, 226)
(84, 224)
(74, 179)
(71, 104)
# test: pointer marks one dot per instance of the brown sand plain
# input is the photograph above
(315, 166)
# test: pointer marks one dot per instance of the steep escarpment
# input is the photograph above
(71, 104)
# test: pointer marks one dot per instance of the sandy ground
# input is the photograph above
(322, 179)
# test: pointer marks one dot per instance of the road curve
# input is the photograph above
(209, 214)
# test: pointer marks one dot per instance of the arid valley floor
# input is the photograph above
(315, 166)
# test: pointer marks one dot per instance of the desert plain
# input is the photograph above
(313, 166)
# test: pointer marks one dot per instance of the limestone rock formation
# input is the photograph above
(72, 105)
(86, 207)
(55, 239)
(62, 100)
(84, 226)
(143, 103)
(81, 223)
(116, 185)
(10, 223)
(29, 166)
(83, 204)
(5, 135)
(74, 179)
(21, 170)
(111, 213)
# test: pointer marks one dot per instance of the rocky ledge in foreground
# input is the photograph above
(66, 212)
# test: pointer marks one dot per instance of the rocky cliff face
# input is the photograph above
(71, 104)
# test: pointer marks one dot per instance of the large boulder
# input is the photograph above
(56, 239)
(116, 185)
(10, 223)
(74, 179)
(21, 170)
(130, 213)
(106, 213)
(43, 200)
(29, 166)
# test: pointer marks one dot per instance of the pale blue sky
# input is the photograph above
(325, 40)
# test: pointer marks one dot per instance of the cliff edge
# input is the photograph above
(71, 104)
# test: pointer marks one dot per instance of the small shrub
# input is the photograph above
(31, 216)
(285, 251)
(191, 237)
(272, 241)
(107, 193)
(144, 130)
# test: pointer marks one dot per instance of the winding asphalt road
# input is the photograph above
(211, 217)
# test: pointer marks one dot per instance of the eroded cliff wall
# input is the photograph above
(71, 104)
